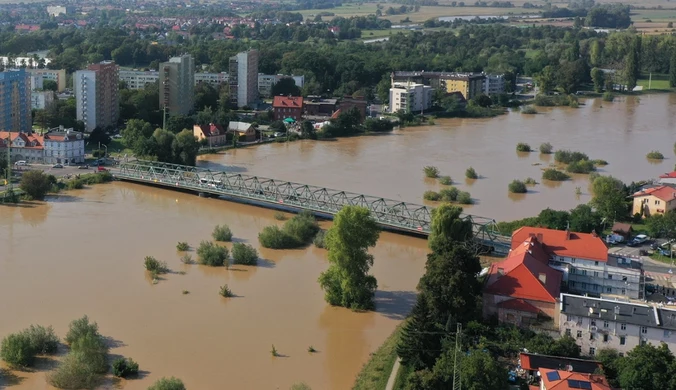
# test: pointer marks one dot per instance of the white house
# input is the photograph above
(410, 97)
(64, 146)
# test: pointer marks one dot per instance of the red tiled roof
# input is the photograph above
(518, 305)
(287, 102)
(563, 243)
(336, 114)
(664, 193)
(28, 139)
(670, 175)
(518, 275)
(565, 380)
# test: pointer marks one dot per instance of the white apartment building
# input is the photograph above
(243, 78)
(41, 99)
(410, 97)
(56, 75)
(214, 79)
(37, 82)
(598, 323)
(494, 84)
(64, 146)
(56, 10)
(266, 81)
(21, 62)
(138, 79)
(84, 87)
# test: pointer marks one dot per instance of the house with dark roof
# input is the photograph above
(598, 323)
(523, 288)
(654, 200)
(586, 265)
(533, 362)
(215, 135)
(287, 107)
(571, 380)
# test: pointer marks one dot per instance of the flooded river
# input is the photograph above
(82, 253)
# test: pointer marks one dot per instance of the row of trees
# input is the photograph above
(163, 145)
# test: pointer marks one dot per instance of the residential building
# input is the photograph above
(36, 82)
(15, 101)
(214, 79)
(654, 200)
(56, 10)
(523, 289)
(469, 84)
(24, 62)
(287, 107)
(64, 146)
(56, 75)
(97, 95)
(533, 362)
(265, 82)
(214, 134)
(494, 84)
(598, 323)
(668, 178)
(177, 85)
(138, 79)
(243, 78)
(410, 98)
(24, 146)
(245, 131)
(349, 102)
(587, 268)
(318, 108)
(622, 229)
(568, 380)
(41, 100)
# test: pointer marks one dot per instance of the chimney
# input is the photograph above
(593, 233)
(567, 234)
(543, 278)
(501, 271)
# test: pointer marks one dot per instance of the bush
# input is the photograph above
(546, 148)
(296, 232)
(225, 291)
(280, 216)
(74, 373)
(608, 97)
(445, 180)
(582, 166)
(529, 110)
(522, 147)
(222, 233)
(75, 184)
(517, 187)
(600, 162)
(211, 254)
(17, 350)
(275, 238)
(655, 155)
(186, 259)
(470, 173)
(35, 184)
(554, 175)
(168, 384)
(182, 246)
(124, 368)
(43, 340)
(432, 172)
(465, 198)
(93, 347)
(567, 157)
(155, 266)
(318, 241)
(449, 194)
(244, 254)
(431, 195)
(530, 181)
(80, 327)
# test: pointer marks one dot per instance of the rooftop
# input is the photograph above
(664, 193)
(434, 75)
(287, 102)
(670, 175)
(534, 361)
(238, 126)
(566, 380)
(564, 243)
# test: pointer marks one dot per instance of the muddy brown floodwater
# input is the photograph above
(82, 253)
(390, 165)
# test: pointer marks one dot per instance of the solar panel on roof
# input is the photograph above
(553, 376)
(575, 384)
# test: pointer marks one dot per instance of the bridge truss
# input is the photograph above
(389, 213)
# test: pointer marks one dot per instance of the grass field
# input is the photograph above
(376, 372)
(400, 382)
(659, 81)
(663, 15)
(344, 11)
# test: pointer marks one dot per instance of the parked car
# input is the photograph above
(20, 163)
(101, 169)
(83, 167)
(57, 166)
(664, 252)
(640, 239)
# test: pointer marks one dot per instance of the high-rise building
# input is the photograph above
(243, 78)
(410, 97)
(15, 101)
(177, 85)
(97, 95)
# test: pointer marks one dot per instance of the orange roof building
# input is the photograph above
(654, 200)
(570, 380)
(564, 244)
(287, 107)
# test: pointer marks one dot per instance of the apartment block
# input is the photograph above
(494, 84)
(468, 84)
(41, 99)
(410, 97)
(214, 79)
(266, 81)
(56, 75)
(15, 101)
(587, 268)
(598, 323)
(97, 95)
(138, 79)
(243, 78)
(177, 85)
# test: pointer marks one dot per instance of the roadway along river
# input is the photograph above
(82, 253)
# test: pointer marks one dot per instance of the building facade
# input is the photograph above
(177, 85)
(15, 101)
(138, 79)
(587, 268)
(214, 134)
(409, 97)
(287, 107)
(348, 103)
(64, 146)
(597, 323)
(494, 84)
(23, 146)
(56, 10)
(214, 79)
(243, 78)
(266, 81)
(469, 84)
(97, 95)
(56, 75)
(244, 131)
(41, 100)
(654, 200)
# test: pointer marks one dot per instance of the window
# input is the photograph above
(567, 331)
(623, 340)
(579, 334)
(596, 274)
(610, 276)
(624, 291)
(593, 322)
(591, 336)
(605, 338)
(623, 326)
(644, 329)
(584, 272)
(592, 351)
(570, 318)
(571, 284)
(609, 290)
(605, 324)
(624, 278)
(572, 271)
(596, 263)
(572, 261)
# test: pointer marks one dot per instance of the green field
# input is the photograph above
(659, 81)
(344, 11)
(656, 15)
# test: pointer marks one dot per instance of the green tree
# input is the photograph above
(632, 68)
(185, 148)
(205, 96)
(546, 79)
(135, 133)
(598, 79)
(17, 350)
(584, 219)
(285, 87)
(481, 371)
(610, 359)
(307, 131)
(608, 198)
(50, 85)
(448, 227)
(347, 282)
(553, 219)
(647, 367)
(596, 52)
(35, 184)
(168, 384)
(672, 68)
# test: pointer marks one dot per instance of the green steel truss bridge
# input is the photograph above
(272, 193)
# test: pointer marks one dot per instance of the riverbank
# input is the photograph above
(376, 372)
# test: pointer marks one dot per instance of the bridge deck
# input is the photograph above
(389, 213)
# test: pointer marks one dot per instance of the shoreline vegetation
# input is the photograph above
(36, 185)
